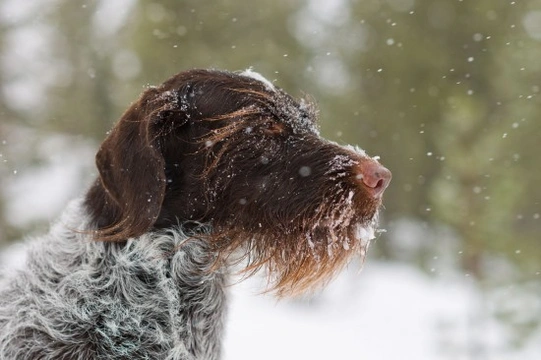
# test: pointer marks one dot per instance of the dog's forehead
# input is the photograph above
(300, 115)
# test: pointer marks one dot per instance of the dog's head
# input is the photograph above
(236, 152)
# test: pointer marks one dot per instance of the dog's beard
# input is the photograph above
(305, 254)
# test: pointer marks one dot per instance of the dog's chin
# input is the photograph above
(301, 260)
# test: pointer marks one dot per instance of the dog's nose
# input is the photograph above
(374, 176)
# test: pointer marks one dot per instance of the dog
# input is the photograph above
(210, 170)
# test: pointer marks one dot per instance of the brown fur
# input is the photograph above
(222, 149)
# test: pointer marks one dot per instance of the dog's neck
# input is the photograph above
(169, 273)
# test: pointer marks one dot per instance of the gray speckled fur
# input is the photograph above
(75, 298)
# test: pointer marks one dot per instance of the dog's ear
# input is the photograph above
(132, 168)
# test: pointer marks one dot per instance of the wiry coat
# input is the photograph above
(152, 298)
(118, 278)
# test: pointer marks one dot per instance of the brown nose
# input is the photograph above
(374, 176)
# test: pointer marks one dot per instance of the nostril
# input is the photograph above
(374, 176)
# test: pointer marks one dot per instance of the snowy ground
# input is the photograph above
(387, 312)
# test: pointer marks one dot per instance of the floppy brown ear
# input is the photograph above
(131, 170)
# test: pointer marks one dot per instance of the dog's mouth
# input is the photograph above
(304, 255)
(347, 227)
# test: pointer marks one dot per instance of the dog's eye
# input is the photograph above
(273, 128)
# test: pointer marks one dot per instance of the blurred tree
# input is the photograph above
(80, 100)
(170, 36)
(428, 85)
(453, 88)
(6, 115)
(434, 87)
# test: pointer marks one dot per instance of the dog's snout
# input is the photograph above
(374, 176)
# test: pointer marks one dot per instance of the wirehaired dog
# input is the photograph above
(208, 169)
